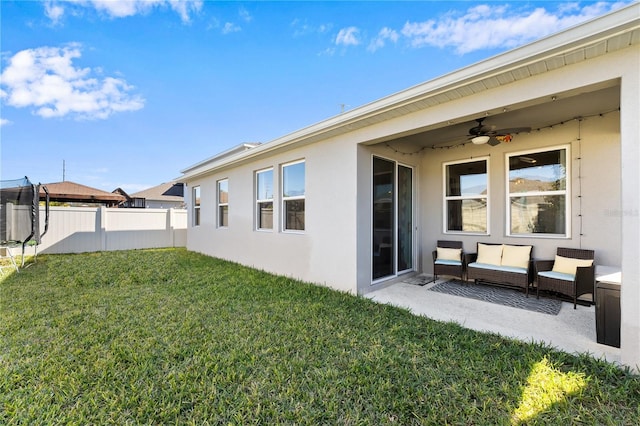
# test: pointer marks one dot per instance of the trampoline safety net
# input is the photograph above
(20, 213)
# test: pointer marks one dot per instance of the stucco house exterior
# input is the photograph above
(168, 195)
(359, 200)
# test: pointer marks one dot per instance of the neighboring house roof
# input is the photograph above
(130, 202)
(609, 33)
(169, 191)
(74, 192)
(121, 192)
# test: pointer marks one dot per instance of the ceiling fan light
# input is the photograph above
(479, 140)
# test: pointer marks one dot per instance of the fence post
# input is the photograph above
(170, 226)
(102, 214)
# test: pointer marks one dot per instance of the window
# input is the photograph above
(538, 193)
(223, 203)
(293, 196)
(196, 205)
(264, 199)
(466, 196)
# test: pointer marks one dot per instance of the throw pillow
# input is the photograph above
(490, 254)
(568, 265)
(449, 253)
(516, 256)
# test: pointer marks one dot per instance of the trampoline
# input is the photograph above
(20, 216)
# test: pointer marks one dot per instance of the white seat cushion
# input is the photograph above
(513, 269)
(448, 262)
(557, 275)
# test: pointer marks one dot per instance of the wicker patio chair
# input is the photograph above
(448, 266)
(573, 286)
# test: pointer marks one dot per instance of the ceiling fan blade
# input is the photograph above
(496, 135)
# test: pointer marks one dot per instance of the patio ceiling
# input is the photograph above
(536, 114)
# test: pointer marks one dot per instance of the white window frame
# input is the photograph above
(260, 201)
(566, 192)
(283, 211)
(222, 204)
(197, 216)
(446, 198)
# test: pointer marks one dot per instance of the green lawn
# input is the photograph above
(173, 337)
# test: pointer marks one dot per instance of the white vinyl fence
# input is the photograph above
(82, 229)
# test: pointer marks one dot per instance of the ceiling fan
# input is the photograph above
(482, 134)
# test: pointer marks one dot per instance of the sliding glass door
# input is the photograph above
(383, 218)
(393, 246)
(405, 219)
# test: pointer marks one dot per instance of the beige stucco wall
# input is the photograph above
(630, 210)
(595, 189)
(323, 253)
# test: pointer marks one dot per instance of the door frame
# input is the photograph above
(414, 252)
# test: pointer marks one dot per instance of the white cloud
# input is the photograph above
(491, 26)
(568, 7)
(303, 28)
(348, 37)
(226, 28)
(245, 15)
(186, 8)
(329, 51)
(46, 80)
(230, 27)
(382, 37)
(4, 122)
(54, 9)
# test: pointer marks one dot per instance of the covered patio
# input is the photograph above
(553, 169)
(572, 331)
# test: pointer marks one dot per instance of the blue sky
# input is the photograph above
(128, 93)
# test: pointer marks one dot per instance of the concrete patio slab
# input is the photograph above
(572, 331)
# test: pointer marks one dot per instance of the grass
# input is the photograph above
(173, 337)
